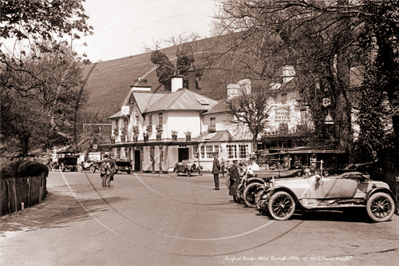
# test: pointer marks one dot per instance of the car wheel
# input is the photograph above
(188, 173)
(62, 167)
(128, 172)
(281, 205)
(380, 207)
(92, 169)
(80, 168)
(250, 194)
(200, 172)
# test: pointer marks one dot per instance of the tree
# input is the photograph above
(165, 68)
(185, 59)
(321, 39)
(38, 99)
(38, 22)
(250, 109)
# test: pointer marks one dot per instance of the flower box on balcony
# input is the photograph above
(188, 135)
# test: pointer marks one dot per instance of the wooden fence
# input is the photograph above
(27, 190)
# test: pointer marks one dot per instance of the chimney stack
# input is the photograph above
(288, 73)
(191, 78)
(176, 82)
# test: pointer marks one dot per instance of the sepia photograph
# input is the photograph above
(199, 132)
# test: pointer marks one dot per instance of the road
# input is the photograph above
(151, 219)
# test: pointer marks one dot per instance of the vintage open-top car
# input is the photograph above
(123, 165)
(187, 167)
(65, 160)
(282, 197)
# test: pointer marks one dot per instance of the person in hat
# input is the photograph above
(216, 170)
(105, 171)
(253, 166)
(234, 180)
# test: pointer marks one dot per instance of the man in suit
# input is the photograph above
(234, 181)
(216, 171)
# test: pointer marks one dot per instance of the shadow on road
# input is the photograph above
(56, 211)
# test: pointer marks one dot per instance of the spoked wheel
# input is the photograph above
(250, 194)
(380, 207)
(62, 167)
(188, 173)
(281, 205)
(80, 168)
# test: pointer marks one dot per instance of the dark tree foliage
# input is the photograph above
(323, 40)
(184, 65)
(40, 114)
(42, 19)
(165, 68)
(378, 118)
(40, 22)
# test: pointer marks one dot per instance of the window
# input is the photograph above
(209, 151)
(160, 119)
(212, 124)
(231, 151)
(202, 151)
(150, 119)
(243, 151)
(137, 120)
(196, 152)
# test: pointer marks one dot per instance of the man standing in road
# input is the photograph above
(234, 181)
(216, 170)
(106, 172)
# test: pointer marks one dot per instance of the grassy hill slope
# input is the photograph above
(110, 81)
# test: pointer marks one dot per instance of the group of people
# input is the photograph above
(107, 171)
(234, 174)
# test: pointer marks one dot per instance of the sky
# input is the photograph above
(124, 27)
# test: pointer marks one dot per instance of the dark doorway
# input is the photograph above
(183, 154)
(137, 160)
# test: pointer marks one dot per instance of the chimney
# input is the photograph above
(233, 90)
(140, 85)
(245, 86)
(191, 78)
(288, 73)
(176, 82)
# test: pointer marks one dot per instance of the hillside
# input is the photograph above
(110, 81)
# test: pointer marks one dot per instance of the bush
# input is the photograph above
(22, 168)
(32, 168)
(10, 170)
